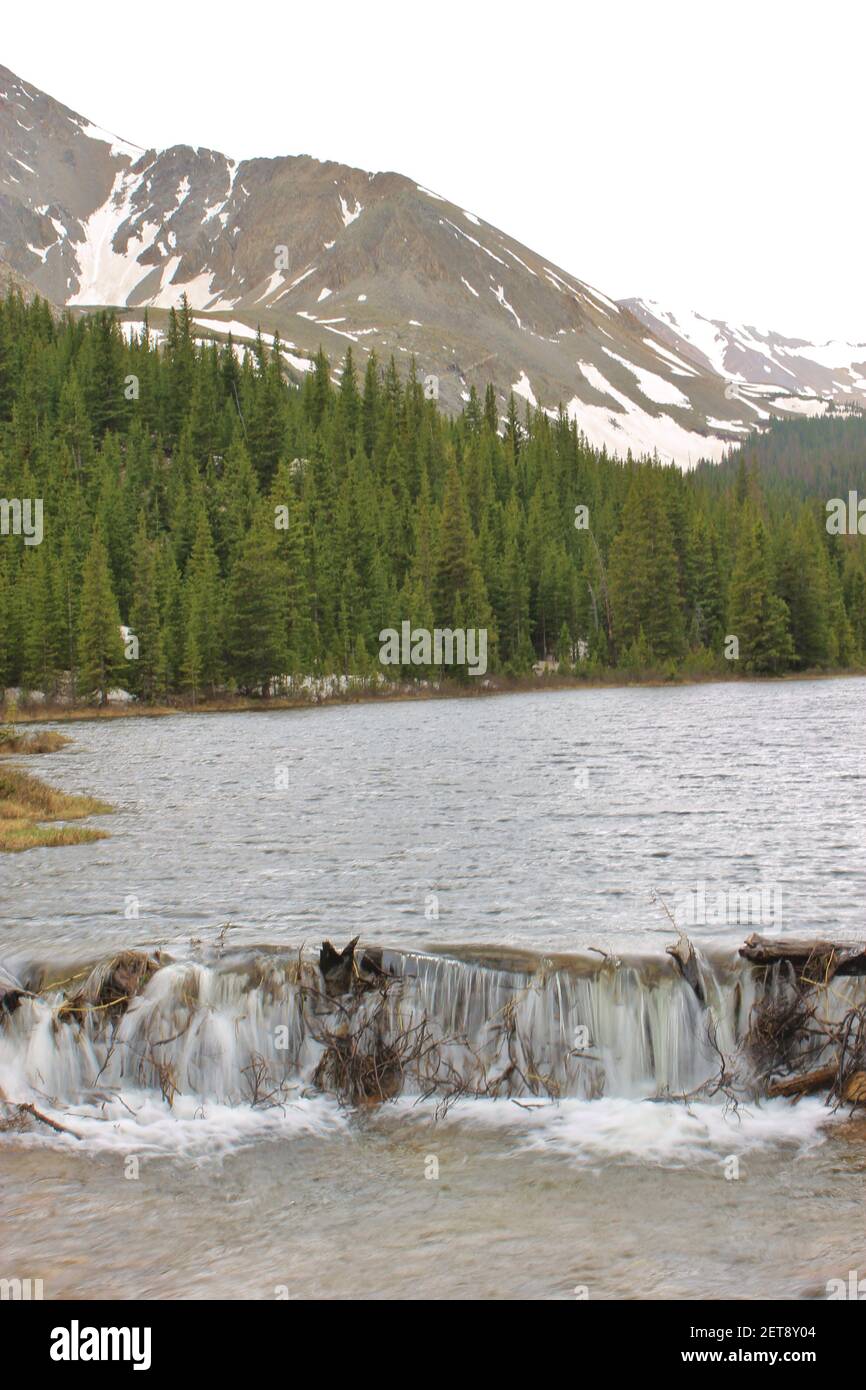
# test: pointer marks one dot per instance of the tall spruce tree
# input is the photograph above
(101, 659)
(644, 578)
(255, 622)
(758, 617)
(148, 671)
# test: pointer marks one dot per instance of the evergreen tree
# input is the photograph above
(758, 617)
(100, 648)
(149, 669)
(255, 627)
(203, 609)
(248, 525)
(644, 574)
(456, 550)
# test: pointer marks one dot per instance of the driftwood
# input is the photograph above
(371, 1047)
(683, 953)
(16, 1121)
(342, 971)
(819, 960)
(687, 964)
(27, 1109)
(855, 1088)
(819, 1080)
(793, 1043)
(9, 999)
(11, 993)
(337, 967)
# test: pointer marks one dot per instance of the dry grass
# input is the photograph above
(45, 741)
(20, 835)
(25, 802)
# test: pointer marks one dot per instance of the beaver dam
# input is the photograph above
(263, 1029)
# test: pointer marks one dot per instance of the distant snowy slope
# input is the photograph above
(742, 353)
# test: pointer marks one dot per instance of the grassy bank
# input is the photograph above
(46, 741)
(28, 807)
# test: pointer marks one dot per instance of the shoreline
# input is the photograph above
(451, 690)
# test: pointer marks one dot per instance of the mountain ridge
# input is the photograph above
(745, 354)
(327, 255)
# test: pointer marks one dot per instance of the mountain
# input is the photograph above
(10, 277)
(760, 358)
(328, 255)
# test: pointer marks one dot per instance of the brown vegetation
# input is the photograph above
(44, 741)
(26, 802)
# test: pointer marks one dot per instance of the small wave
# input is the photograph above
(663, 1133)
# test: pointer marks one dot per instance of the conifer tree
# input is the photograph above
(39, 623)
(758, 616)
(644, 574)
(456, 549)
(203, 607)
(8, 633)
(255, 622)
(148, 669)
(100, 648)
(393, 510)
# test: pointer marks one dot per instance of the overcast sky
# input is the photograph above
(704, 154)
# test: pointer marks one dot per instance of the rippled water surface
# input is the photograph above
(541, 819)
(541, 822)
(355, 1216)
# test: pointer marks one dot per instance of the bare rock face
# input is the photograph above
(332, 257)
(12, 279)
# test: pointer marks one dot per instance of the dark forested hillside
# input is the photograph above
(823, 457)
(246, 529)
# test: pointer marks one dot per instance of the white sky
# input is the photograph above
(706, 154)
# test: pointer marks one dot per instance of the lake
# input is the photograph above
(506, 851)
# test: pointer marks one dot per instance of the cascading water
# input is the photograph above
(259, 1030)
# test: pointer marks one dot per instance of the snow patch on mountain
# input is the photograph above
(753, 357)
(120, 149)
(680, 367)
(523, 387)
(107, 276)
(499, 292)
(350, 214)
(631, 428)
(798, 406)
(275, 281)
(654, 387)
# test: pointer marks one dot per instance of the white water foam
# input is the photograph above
(665, 1133)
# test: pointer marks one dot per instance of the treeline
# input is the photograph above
(820, 457)
(245, 528)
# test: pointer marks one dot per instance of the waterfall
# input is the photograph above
(257, 1028)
